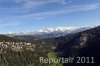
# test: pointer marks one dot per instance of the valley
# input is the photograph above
(22, 52)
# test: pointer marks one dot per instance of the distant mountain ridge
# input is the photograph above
(49, 32)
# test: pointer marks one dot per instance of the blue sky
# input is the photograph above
(26, 15)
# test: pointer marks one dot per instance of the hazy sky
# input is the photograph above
(26, 15)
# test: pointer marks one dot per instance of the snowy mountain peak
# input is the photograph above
(62, 29)
(53, 30)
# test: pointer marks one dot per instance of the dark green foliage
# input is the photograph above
(24, 56)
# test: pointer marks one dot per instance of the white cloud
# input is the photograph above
(85, 7)
(33, 3)
(64, 2)
(8, 24)
(37, 3)
(39, 18)
(28, 5)
(24, 6)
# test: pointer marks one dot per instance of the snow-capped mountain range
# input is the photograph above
(49, 32)
(46, 30)
(54, 30)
